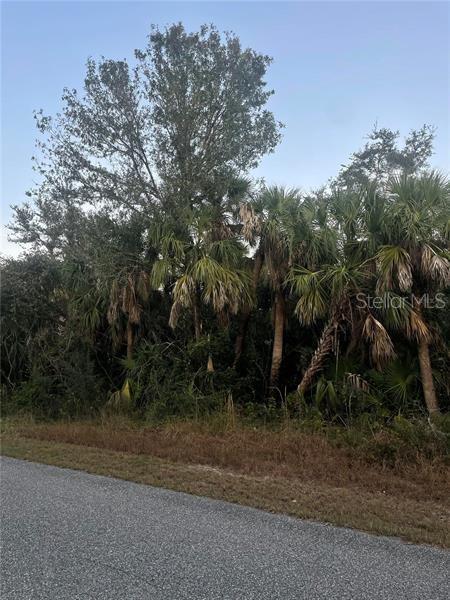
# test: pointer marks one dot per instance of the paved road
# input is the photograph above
(67, 534)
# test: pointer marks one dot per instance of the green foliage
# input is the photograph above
(174, 133)
(406, 439)
(381, 157)
(162, 282)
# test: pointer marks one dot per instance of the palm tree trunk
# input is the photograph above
(129, 340)
(245, 317)
(324, 348)
(196, 316)
(426, 373)
(277, 351)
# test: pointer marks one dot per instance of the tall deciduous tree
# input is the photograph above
(170, 132)
(381, 157)
(207, 98)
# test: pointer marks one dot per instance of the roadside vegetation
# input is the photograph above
(381, 482)
(291, 347)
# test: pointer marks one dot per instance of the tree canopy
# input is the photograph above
(169, 134)
(154, 258)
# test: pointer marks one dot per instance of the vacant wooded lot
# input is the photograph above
(176, 320)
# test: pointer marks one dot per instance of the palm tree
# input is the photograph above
(130, 289)
(347, 236)
(286, 229)
(204, 268)
(251, 218)
(416, 259)
(337, 293)
(257, 265)
(341, 276)
(277, 211)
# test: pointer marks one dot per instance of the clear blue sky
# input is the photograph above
(338, 67)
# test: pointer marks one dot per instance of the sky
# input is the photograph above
(338, 68)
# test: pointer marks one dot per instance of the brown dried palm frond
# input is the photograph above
(114, 301)
(221, 231)
(143, 285)
(175, 314)
(218, 296)
(357, 382)
(210, 365)
(381, 346)
(417, 328)
(251, 224)
(113, 312)
(183, 290)
(135, 314)
(129, 298)
(435, 266)
(125, 297)
(183, 294)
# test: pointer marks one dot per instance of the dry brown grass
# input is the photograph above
(288, 454)
(287, 471)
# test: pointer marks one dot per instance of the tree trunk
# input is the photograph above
(277, 351)
(324, 348)
(426, 373)
(129, 340)
(245, 316)
(197, 321)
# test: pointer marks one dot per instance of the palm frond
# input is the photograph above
(222, 287)
(357, 382)
(313, 302)
(175, 313)
(435, 266)
(143, 285)
(228, 252)
(184, 290)
(395, 310)
(399, 381)
(416, 328)
(394, 268)
(251, 222)
(342, 279)
(381, 346)
(161, 271)
(135, 313)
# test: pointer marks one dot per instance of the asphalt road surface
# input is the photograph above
(67, 534)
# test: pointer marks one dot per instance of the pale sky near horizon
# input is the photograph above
(338, 68)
